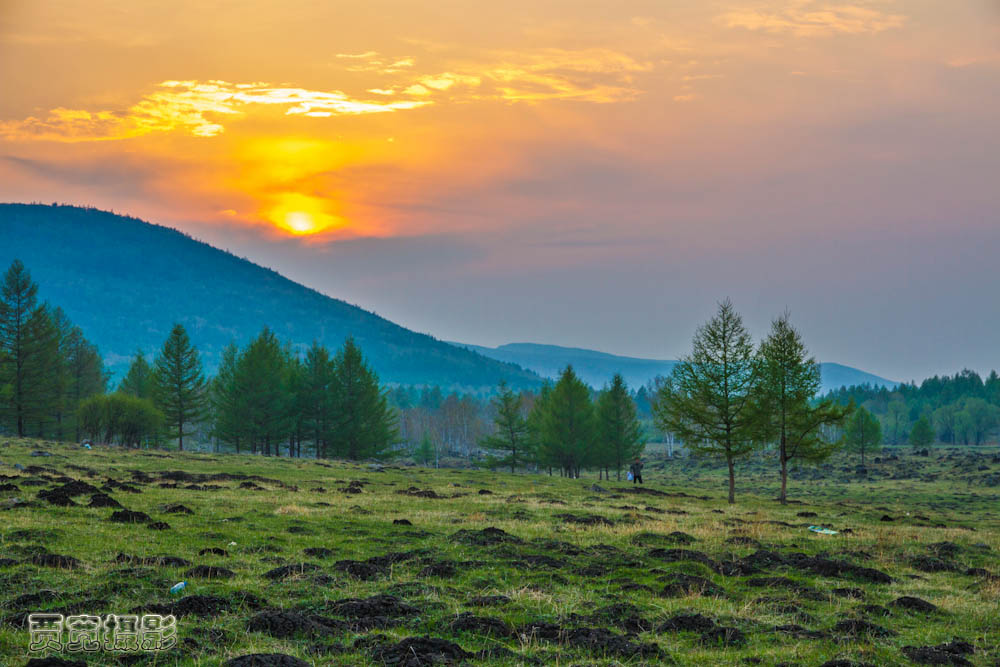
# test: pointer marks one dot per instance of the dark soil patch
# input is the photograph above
(858, 628)
(285, 624)
(487, 601)
(481, 625)
(943, 654)
(266, 660)
(318, 552)
(443, 569)
(213, 551)
(849, 593)
(56, 497)
(151, 561)
(286, 571)
(585, 519)
(806, 515)
(379, 611)
(402, 522)
(687, 623)
(875, 610)
(621, 615)
(944, 549)
(55, 560)
(420, 651)
(723, 636)
(128, 516)
(419, 493)
(103, 500)
(914, 604)
(210, 572)
(177, 509)
(604, 642)
(485, 537)
(680, 555)
(359, 569)
(680, 585)
(159, 525)
(932, 564)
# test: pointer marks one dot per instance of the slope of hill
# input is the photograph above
(597, 368)
(125, 281)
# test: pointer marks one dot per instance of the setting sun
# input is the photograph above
(300, 223)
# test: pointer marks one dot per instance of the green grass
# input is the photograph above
(936, 492)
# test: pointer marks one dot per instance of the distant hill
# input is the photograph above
(597, 368)
(125, 282)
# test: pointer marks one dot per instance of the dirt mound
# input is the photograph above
(604, 642)
(378, 611)
(103, 500)
(914, 604)
(213, 551)
(680, 555)
(318, 552)
(828, 567)
(420, 651)
(687, 623)
(158, 561)
(585, 519)
(681, 585)
(359, 569)
(266, 660)
(402, 522)
(932, 564)
(487, 601)
(190, 605)
(443, 569)
(177, 509)
(943, 654)
(128, 516)
(286, 571)
(857, 628)
(621, 615)
(944, 549)
(849, 593)
(419, 493)
(485, 537)
(481, 625)
(56, 497)
(55, 560)
(158, 525)
(285, 624)
(210, 572)
(650, 539)
(723, 636)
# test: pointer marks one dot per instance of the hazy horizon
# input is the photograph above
(594, 177)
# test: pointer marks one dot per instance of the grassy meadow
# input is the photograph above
(332, 563)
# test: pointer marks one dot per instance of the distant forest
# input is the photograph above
(961, 409)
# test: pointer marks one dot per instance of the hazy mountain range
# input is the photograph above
(125, 282)
(596, 368)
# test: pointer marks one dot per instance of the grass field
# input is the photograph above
(316, 560)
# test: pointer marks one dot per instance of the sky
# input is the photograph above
(589, 174)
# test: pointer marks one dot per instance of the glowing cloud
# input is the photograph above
(806, 19)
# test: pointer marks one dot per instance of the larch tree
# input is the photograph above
(364, 426)
(922, 434)
(620, 434)
(18, 305)
(140, 380)
(789, 379)
(709, 399)
(511, 435)
(567, 425)
(179, 383)
(863, 433)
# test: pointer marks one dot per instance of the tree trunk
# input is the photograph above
(732, 482)
(782, 498)
(180, 436)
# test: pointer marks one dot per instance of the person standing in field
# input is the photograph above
(636, 470)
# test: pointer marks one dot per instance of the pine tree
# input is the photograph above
(425, 452)
(87, 376)
(140, 380)
(789, 381)
(863, 433)
(262, 389)
(364, 425)
(922, 434)
(567, 425)
(621, 437)
(18, 305)
(228, 404)
(708, 400)
(511, 434)
(319, 374)
(180, 383)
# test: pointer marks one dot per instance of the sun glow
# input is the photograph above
(302, 215)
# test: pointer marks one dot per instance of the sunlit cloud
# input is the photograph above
(193, 107)
(805, 18)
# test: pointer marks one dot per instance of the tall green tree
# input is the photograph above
(317, 399)
(709, 399)
(87, 375)
(567, 425)
(228, 404)
(180, 383)
(364, 426)
(262, 387)
(511, 434)
(620, 434)
(922, 434)
(863, 433)
(789, 379)
(140, 380)
(18, 347)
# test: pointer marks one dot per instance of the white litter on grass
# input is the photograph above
(822, 531)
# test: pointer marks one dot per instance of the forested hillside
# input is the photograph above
(125, 282)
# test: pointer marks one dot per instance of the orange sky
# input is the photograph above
(558, 134)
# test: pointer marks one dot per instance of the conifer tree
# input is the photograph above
(708, 400)
(87, 376)
(317, 403)
(179, 383)
(567, 425)
(620, 435)
(227, 403)
(262, 388)
(364, 425)
(863, 433)
(789, 381)
(511, 434)
(18, 305)
(140, 380)
(922, 434)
